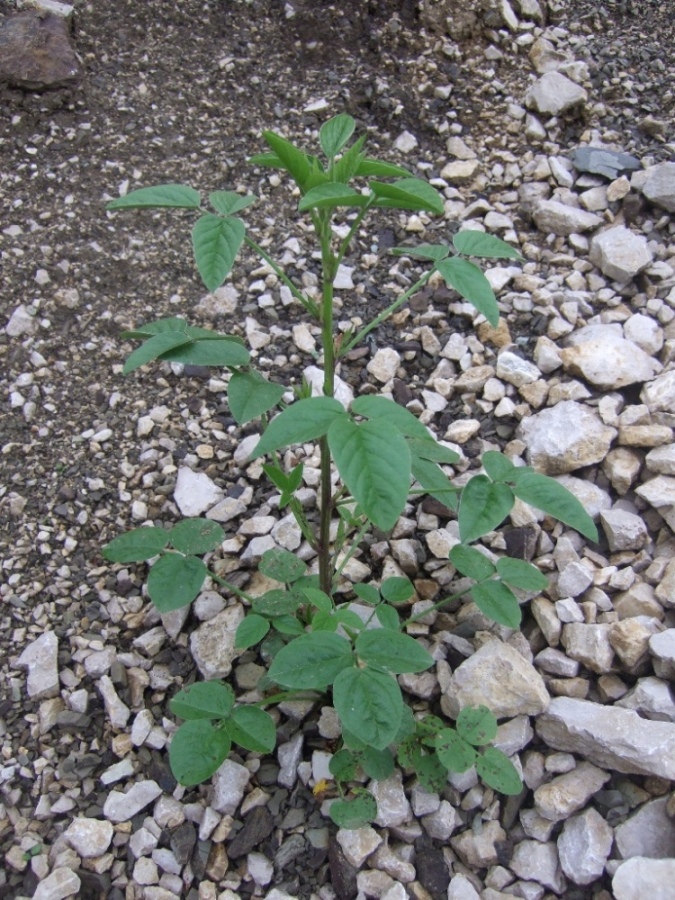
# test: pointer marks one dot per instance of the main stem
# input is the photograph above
(329, 264)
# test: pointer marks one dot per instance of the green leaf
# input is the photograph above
(521, 574)
(374, 462)
(498, 772)
(453, 751)
(334, 134)
(288, 625)
(311, 661)
(203, 700)
(409, 752)
(374, 168)
(154, 348)
(218, 351)
(392, 651)
(433, 451)
(269, 160)
(497, 466)
(137, 545)
(434, 481)
(317, 598)
(476, 243)
(356, 812)
(431, 773)
(468, 280)
(276, 603)
(343, 765)
(397, 589)
(483, 507)
(252, 728)
(197, 750)
(250, 395)
(293, 160)
(304, 420)
(369, 704)
(331, 196)
(282, 565)
(160, 326)
(497, 602)
(175, 580)
(162, 195)
(368, 593)
(196, 536)
(387, 617)
(378, 764)
(345, 168)
(375, 407)
(229, 202)
(406, 726)
(477, 725)
(251, 631)
(550, 496)
(408, 193)
(215, 243)
(423, 251)
(471, 562)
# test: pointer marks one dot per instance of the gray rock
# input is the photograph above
(21, 322)
(584, 846)
(35, 51)
(554, 217)
(535, 861)
(212, 644)
(659, 394)
(40, 658)
(568, 793)
(477, 848)
(639, 877)
(229, 784)
(652, 698)
(609, 362)
(659, 187)
(598, 161)
(392, 804)
(499, 677)
(624, 530)
(574, 579)
(565, 437)
(89, 837)
(195, 492)
(442, 823)
(609, 736)
(620, 253)
(553, 94)
(650, 832)
(460, 888)
(358, 843)
(516, 370)
(117, 711)
(61, 883)
(120, 807)
(662, 649)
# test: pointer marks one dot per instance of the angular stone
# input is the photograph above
(661, 460)
(609, 736)
(392, 804)
(478, 848)
(40, 658)
(212, 644)
(61, 883)
(554, 217)
(536, 861)
(652, 698)
(553, 94)
(609, 363)
(560, 798)
(659, 394)
(515, 369)
(120, 806)
(358, 843)
(639, 878)
(89, 837)
(565, 437)
(620, 253)
(21, 322)
(662, 648)
(599, 161)
(229, 783)
(589, 645)
(624, 530)
(384, 365)
(630, 640)
(499, 677)
(35, 51)
(659, 187)
(195, 492)
(584, 846)
(649, 832)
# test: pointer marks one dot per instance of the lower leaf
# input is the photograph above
(498, 772)
(197, 750)
(369, 704)
(354, 813)
(175, 580)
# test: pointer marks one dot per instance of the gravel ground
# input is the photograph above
(87, 666)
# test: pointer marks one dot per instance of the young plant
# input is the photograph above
(318, 642)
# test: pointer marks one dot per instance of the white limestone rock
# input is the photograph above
(536, 861)
(609, 362)
(89, 837)
(565, 437)
(212, 644)
(553, 94)
(228, 787)
(624, 530)
(584, 846)
(620, 253)
(195, 492)
(639, 877)
(659, 394)
(609, 736)
(659, 187)
(121, 807)
(648, 832)
(568, 793)
(554, 217)
(40, 658)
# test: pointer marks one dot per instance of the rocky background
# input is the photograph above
(549, 124)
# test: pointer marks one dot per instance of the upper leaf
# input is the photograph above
(330, 196)
(161, 195)
(334, 134)
(521, 574)
(456, 754)
(423, 251)
(372, 406)
(374, 168)
(408, 193)
(434, 481)
(137, 545)
(397, 589)
(154, 348)
(432, 451)
(175, 581)
(484, 505)
(468, 280)
(252, 728)
(282, 565)
(305, 420)
(250, 395)
(550, 496)
(392, 651)
(293, 160)
(216, 242)
(229, 202)
(477, 725)
(196, 536)
(374, 462)
(345, 168)
(497, 602)
(216, 351)
(354, 812)
(477, 243)
(203, 700)
(369, 704)
(498, 772)
(497, 466)
(311, 661)
(197, 749)
(471, 562)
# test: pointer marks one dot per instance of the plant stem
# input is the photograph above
(231, 587)
(309, 305)
(438, 605)
(348, 345)
(287, 695)
(352, 550)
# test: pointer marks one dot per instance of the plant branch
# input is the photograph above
(309, 305)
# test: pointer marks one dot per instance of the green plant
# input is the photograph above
(383, 455)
